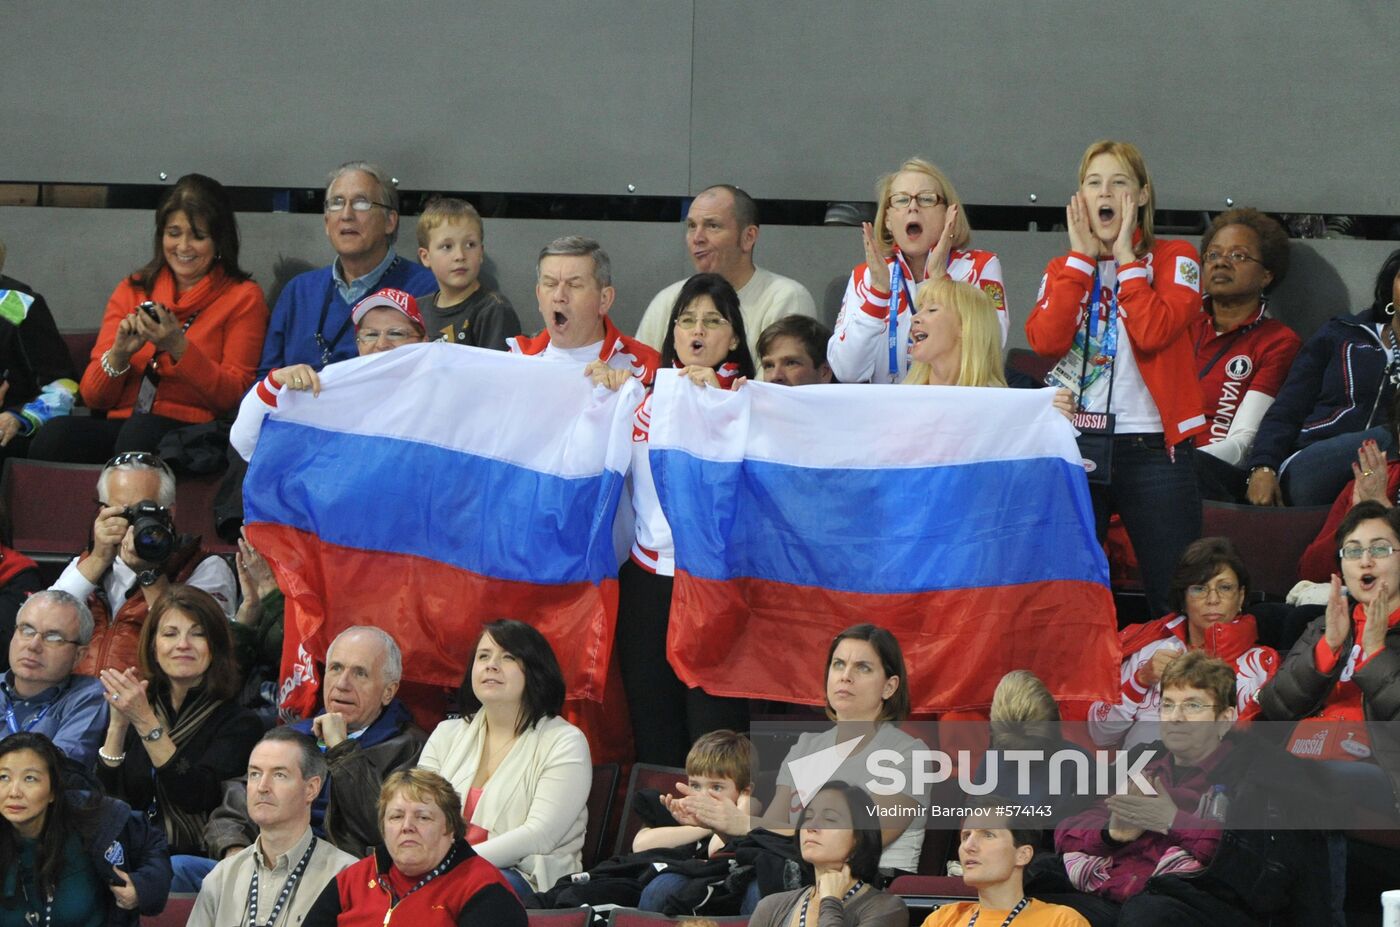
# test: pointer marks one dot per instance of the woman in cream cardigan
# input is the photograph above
(524, 771)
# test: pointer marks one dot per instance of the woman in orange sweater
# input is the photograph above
(180, 339)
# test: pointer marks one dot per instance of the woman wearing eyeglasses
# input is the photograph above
(383, 321)
(180, 338)
(920, 234)
(705, 339)
(1208, 593)
(1242, 354)
(1345, 669)
(1135, 858)
(1333, 402)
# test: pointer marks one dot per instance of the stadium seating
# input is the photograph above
(600, 802)
(644, 776)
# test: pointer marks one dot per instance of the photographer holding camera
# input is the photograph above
(134, 557)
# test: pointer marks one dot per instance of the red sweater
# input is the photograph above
(217, 366)
(1159, 295)
(471, 892)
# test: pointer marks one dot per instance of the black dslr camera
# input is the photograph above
(153, 530)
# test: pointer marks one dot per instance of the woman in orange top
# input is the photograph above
(180, 339)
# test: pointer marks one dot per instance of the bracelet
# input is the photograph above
(111, 371)
(1254, 470)
(110, 760)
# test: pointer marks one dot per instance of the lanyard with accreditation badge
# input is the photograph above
(897, 288)
(1096, 428)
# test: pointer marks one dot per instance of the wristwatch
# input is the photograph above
(156, 733)
(148, 577)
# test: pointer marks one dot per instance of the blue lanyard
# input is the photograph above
(896, 291)
(13, 723)
(1108, 350)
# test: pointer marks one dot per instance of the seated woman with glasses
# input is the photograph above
(920, 234)
(1207, 593)
(180, 339)
(1131, 856)
(1242, 355)
(1345, 669)
(704, 338)
(383, 321)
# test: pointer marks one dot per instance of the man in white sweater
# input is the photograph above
(721, 230)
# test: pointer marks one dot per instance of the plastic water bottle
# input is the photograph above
(1218, 804)
(1390, 908)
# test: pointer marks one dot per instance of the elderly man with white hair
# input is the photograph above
(365, 733)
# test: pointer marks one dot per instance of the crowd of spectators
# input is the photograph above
(142, 756)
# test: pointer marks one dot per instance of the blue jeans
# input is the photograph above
(189, 872)
(521, 887)
(661, 889)
(1318, 473)
(1160, 504)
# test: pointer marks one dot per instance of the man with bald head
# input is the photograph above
(365, 733)
(721, 230)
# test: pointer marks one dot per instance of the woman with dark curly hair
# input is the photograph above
(180, 339)
(1242, 354)
(1333, 402)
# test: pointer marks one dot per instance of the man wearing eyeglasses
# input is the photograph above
(40, 694)
(721, 230)
(311, 321)
(111, 578)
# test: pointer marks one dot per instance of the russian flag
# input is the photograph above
(432, 488)
(958, 518)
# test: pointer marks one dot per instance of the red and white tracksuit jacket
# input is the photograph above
(653, 548)
(1159, 296)
(618, 351)
(1135, 719)
(859, 348)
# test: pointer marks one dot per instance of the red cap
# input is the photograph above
(388, 298)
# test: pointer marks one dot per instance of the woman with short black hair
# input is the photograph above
(839, 840)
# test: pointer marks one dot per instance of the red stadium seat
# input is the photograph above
(600, 801)
(631, 917)
(644, 776)
(1270, 540)
(80, 345)
(177, 911)
(564, 917)
(47, 508)
(932, 889)
(194, 510)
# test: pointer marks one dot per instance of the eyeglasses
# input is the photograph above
(395, 336)
(27, 632)
(711, 322)
(902, 200)
(1233, 257)
(143, 458)
(1224, 589)
(359, 204)
(1379, 551)
(1189, 709)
